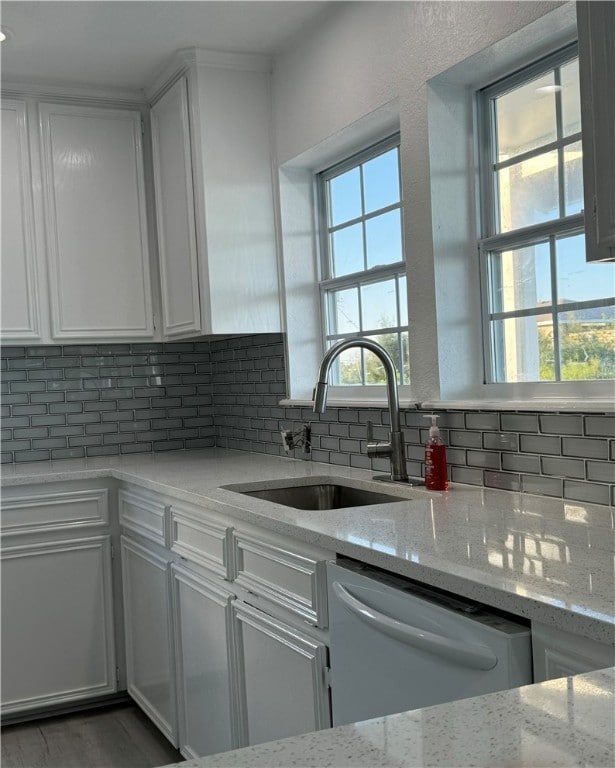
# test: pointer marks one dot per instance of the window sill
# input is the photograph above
(547, 404)
(600, 405)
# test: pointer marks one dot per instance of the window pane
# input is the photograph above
(526, 117)
(379, 305)
(345, 197)
(573, 178)
(374, 370)
(576, 279)
(522, 349)
(520, 278)
(381, 181)
(347, 250)
(346, 368)
(344, 311)
(528, 192)
(383, 234)
(587, 344)
(571, 99)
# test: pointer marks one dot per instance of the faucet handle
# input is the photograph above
(379, 447)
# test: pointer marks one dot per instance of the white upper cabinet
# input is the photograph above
(596, 27)
(230, 207)
(20, 317)
(96, 225)
(179, 271)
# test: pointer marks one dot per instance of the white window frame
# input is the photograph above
(493, 242)
(328, 283)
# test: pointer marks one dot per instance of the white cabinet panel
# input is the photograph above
(57, 623)
(202, 624)
(596, 27)
(235, 162)
(215, 197)
(144, 513)
(96, 222)
(147, 623)
(179, 274)
(40, 512)
(281, 678)
(557, 653)
(19, 304)
(277, 571)
(200, 537)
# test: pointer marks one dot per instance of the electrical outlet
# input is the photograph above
(288, 440)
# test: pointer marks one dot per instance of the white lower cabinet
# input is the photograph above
(149, 642)
(57, 623)
(557, 653)
(202, 618)
(58, 641)
(282, 677)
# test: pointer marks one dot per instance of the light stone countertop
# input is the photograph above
(545, 559)
(565, 722)
(549, 560)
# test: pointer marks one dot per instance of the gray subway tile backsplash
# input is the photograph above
(585, 447)
(562, 467)
(561, 424)
(600, 426)
(601, 471)
(519, 422)
(540, 444)
(90, 400)
(100, 399)
(591, 492)
(543, 486)
(483, 421)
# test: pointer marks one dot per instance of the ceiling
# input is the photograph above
(125, 43)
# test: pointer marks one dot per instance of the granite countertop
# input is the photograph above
(549, 560)
(565, 722)
(545, 559)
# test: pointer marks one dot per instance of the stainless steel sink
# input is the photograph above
(320, 496)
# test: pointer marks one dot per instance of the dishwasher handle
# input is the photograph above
(473, 655)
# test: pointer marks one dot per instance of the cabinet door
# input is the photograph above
(147, 622)
(19, 308)
(57, 623)
(282, 689)
(175, 216)
(231, 135)
(96, 222)
(596, 27)
(202, 625)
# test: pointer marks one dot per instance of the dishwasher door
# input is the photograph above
(395, 646)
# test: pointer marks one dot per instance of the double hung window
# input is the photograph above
(548, 315)
(363, 286)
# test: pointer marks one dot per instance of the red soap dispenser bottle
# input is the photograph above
(436, 478)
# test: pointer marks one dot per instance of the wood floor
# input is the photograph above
(118, 737)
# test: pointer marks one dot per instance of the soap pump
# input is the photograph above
(436, 478)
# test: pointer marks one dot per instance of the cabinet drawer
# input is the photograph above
(294, 581)
(199, 538)
(144, 514)
(61, 510)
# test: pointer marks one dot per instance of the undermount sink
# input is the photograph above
(320, 496)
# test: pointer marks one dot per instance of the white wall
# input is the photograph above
(366, 56)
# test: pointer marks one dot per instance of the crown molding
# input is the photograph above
(187, 58)
(70, 93)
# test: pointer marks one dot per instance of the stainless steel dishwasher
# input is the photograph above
(395, 645)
